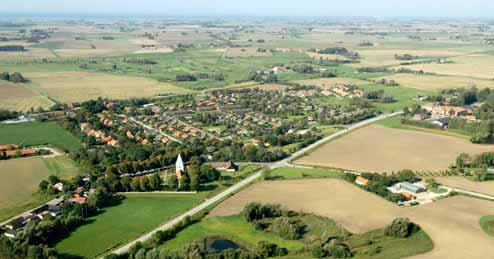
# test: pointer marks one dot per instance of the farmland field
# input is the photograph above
(462, 66)
(38, 133)
(246, 52)
(16, 97)
(360, 211)
(387, 57)
(138, 213)
(69, 87)
(380, 149)
(466, 184)
(21, 178)
(435, 82)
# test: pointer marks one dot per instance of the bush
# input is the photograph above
(318, 252)
(401, 228)
(286, 229)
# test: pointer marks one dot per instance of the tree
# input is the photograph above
(17, 77)
(172, 181)
(144, 183)
(53, 179)
(135, 184)
(155, 182)
(401, 228)
(43, 185)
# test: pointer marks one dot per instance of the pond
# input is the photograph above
(218, 245)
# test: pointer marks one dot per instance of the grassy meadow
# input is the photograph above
(38, 133)
(136, 215)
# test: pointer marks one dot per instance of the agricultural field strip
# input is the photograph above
(248, 180)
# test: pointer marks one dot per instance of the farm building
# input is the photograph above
(361, 180)
(411, 188)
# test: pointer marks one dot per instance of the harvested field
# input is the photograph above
(323, 197)
(11, 91)
(380, 149)
(246, 53)
(478, 66)
(451, 223)
(82, 86)
(158, 50)
(24, 104)
(435, 82)
(330, 82)
(70, 53)
(387, 57)
(464, 183)
(31, 53)
(143, 41)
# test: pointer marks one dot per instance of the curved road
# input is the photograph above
(231, 190)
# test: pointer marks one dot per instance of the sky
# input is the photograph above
(330, 8)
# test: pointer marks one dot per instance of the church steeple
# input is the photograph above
(179, 166)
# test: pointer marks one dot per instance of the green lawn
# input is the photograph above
(138, 214)
(487, 224)
(232, 226)
(289, 173)
(38, 133)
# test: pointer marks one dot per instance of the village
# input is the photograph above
(248, 115)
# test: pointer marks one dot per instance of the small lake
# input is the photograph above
(218, 245)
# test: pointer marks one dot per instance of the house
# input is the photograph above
(54, 210)
(179, 167)
(78, 196)
(408, 196)
(361, 180)
(9, 147)
(442, 122)
(421, 116)
(15, 223)
(10, 233)
(113, 143)
(58, 187)
(225, 166)
(41, 211)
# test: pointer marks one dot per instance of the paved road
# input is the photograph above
(250, 179)
(155, 130)
(467, 192)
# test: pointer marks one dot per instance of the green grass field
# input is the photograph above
(18, 190)
(487, 224)
(232, 226)
(38, 133)
(138, 214)
(403, 95)
(395, 123)
(290, 173)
